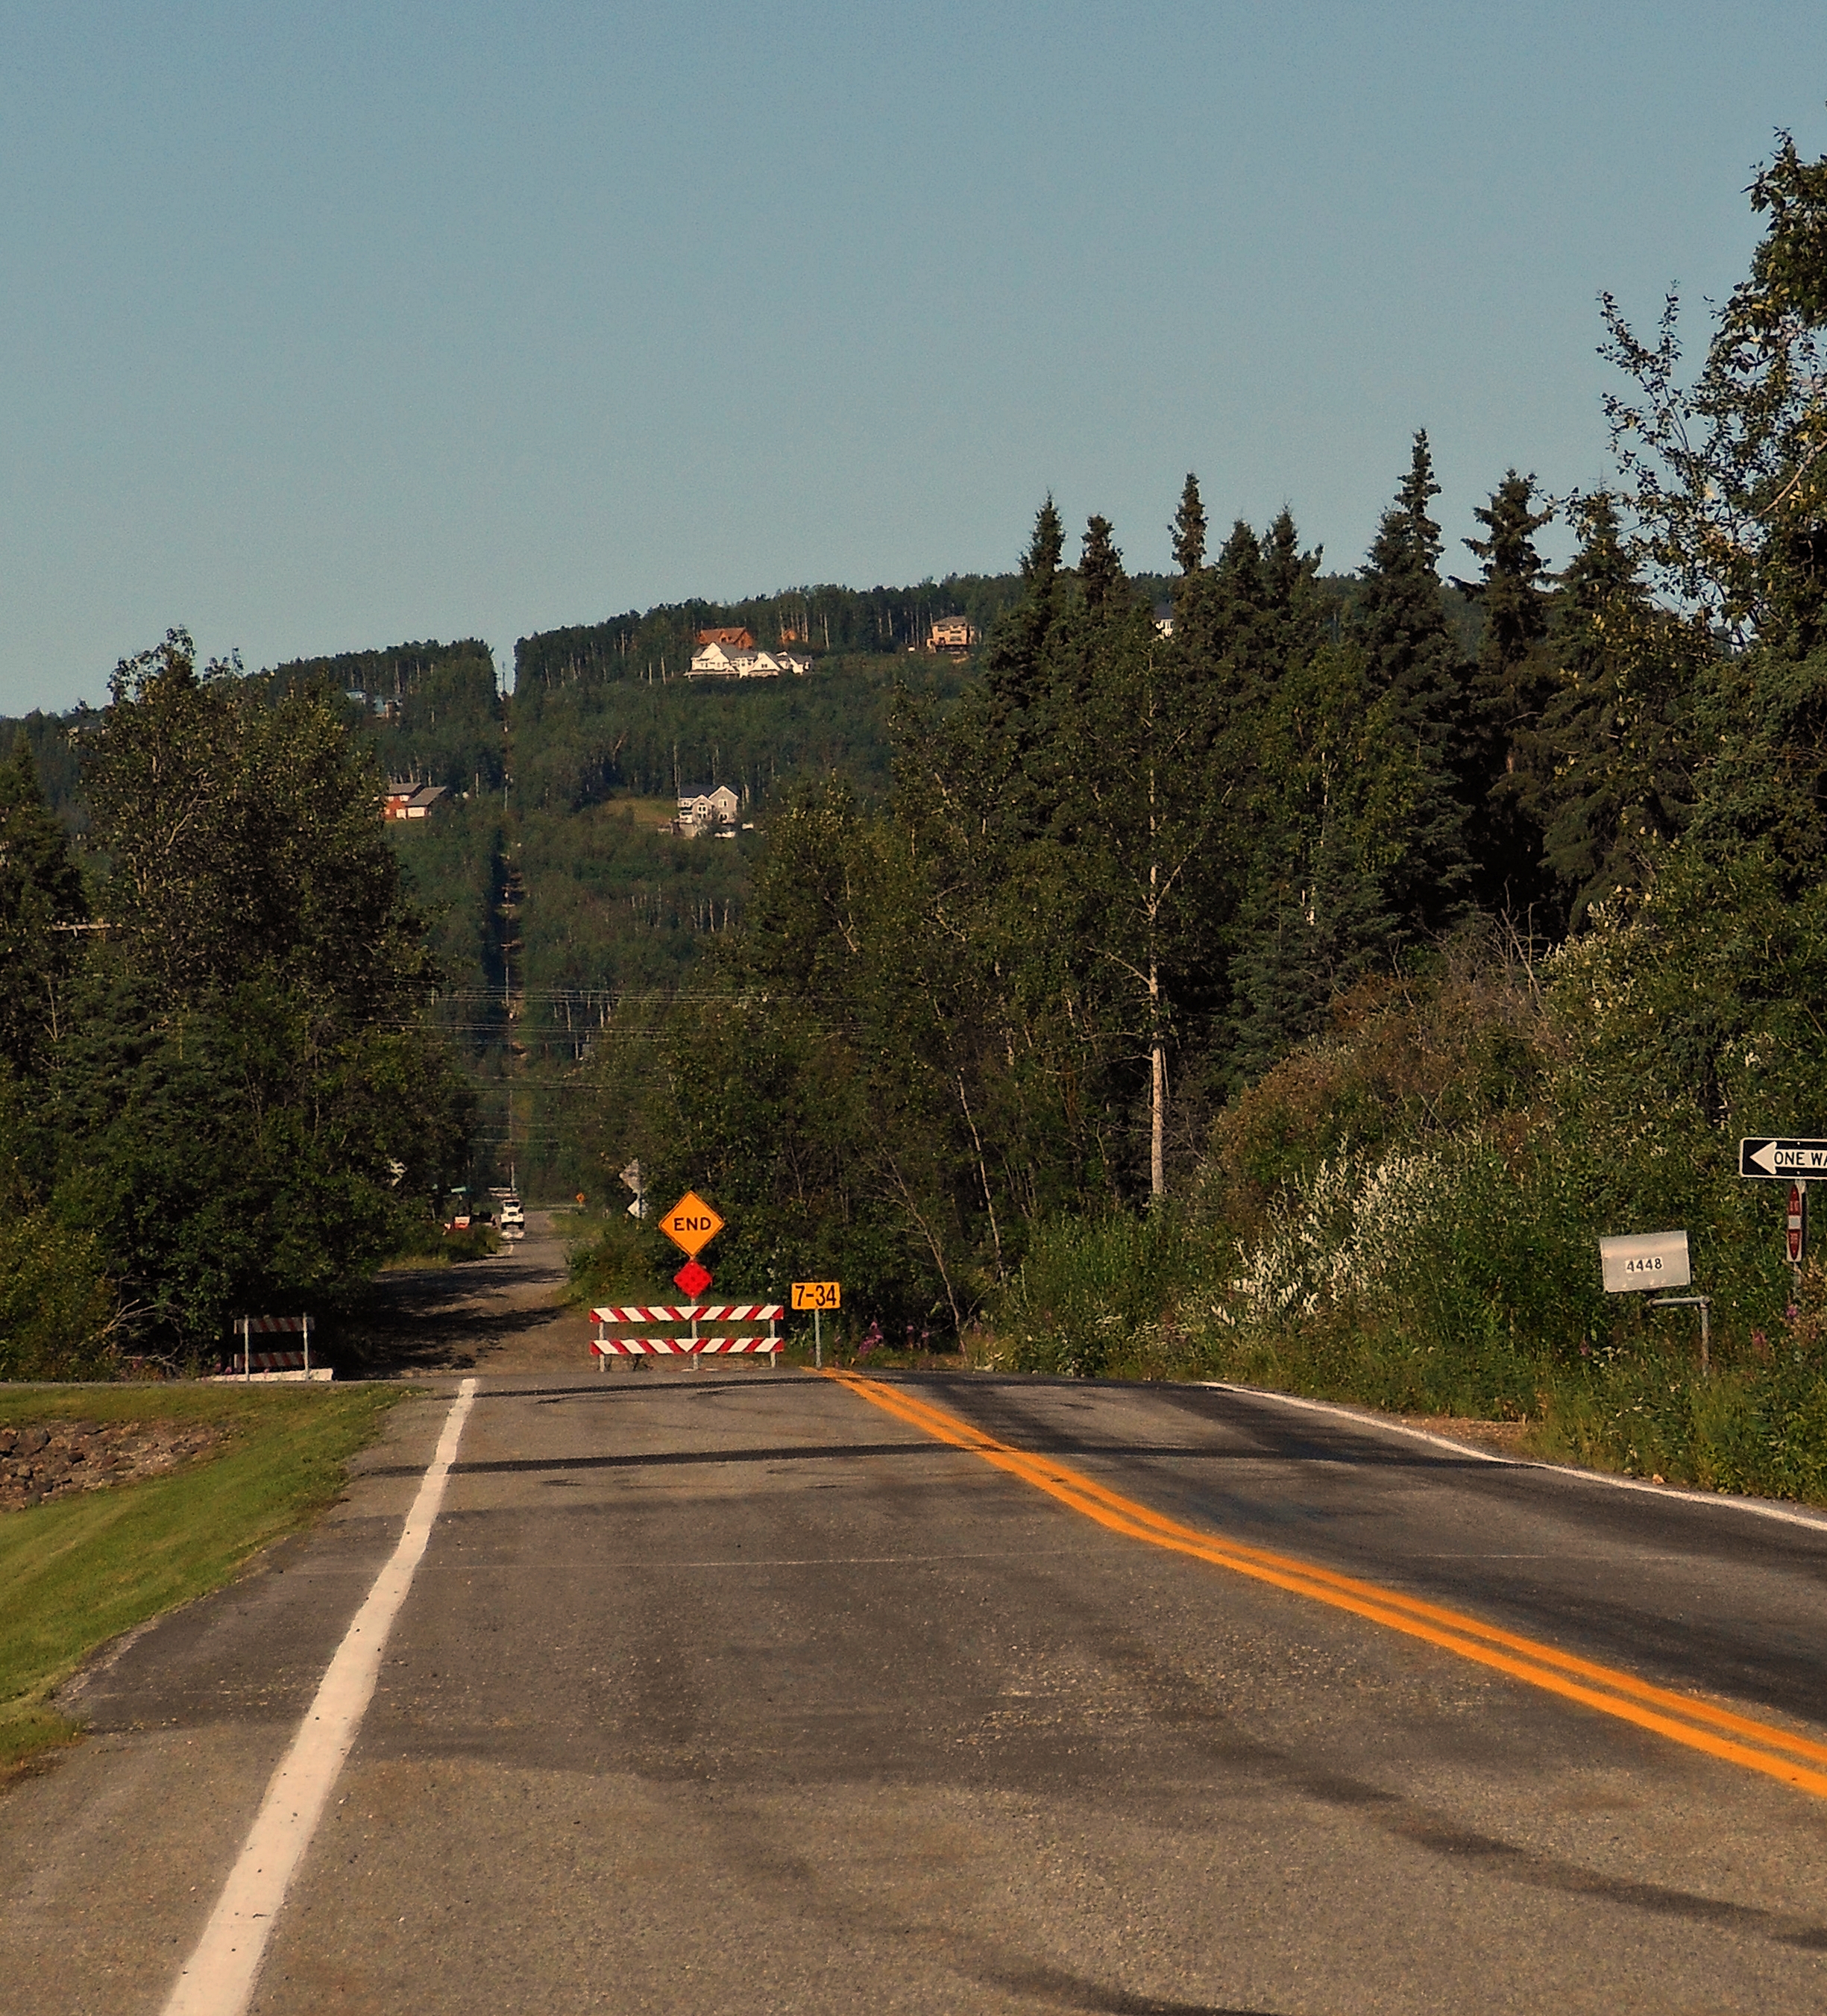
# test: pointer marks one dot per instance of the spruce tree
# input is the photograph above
(1100, 567)
(1512, 681)
(1333, 792)
(1188, 529)
(1012, 675)
(1237, 592)
(1604, 773)
(1401, 627)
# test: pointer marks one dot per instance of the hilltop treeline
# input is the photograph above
(433, 710)
(655, 645)
(581, 742)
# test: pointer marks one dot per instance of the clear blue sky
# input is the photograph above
(327, 326)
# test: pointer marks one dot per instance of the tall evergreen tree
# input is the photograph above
(1188, 529)
(1100, 567)
(1511, 681)
(1287, 572)
(1401, 627)
(1335, 791)
(1011, 659)
(1605, 773)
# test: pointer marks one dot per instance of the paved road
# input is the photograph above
(729, 1690)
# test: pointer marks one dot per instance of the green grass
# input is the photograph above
(431, 1246)
(78, 1571)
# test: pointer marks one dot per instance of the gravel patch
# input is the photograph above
(58, 1459)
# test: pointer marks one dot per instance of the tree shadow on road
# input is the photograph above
(422, 1321)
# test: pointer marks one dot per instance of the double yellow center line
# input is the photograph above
(1738, 1738)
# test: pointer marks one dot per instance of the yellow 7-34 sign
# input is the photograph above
(818, 1294)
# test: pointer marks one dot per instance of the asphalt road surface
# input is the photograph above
(729, 1689)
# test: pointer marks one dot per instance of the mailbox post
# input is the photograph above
(1641, 1261)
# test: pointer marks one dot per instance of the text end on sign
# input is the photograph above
(818, 1295)
(690, 1224)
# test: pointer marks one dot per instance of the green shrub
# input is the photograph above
(56, 1308)
(1105, 1297)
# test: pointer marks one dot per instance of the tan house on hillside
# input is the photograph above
(716, 811)
(731, 640)
(952, 633)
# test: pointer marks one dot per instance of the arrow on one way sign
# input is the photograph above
(1781, 1160)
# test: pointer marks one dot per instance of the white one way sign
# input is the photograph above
(1782, 1161)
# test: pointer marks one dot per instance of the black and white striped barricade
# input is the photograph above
(247, 1364)
(618, 1331)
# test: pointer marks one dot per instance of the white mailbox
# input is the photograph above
(1651, 1260)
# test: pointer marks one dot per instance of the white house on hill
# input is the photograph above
(723, 661)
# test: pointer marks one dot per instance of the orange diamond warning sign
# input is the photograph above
(691, 1223)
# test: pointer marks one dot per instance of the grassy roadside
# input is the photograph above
(435, 1247)
(78, 1572)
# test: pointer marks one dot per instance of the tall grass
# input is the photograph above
(1117, 1297)
(1486, 1305)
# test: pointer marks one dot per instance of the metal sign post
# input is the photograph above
(817, 1296)
(1795, 1232)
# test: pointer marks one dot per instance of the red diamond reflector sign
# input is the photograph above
(694, 1278)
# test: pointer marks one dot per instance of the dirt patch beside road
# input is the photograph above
(57, 1459)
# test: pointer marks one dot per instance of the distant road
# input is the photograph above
(733, 1690)
(498, 1317)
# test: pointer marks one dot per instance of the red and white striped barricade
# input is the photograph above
(617, 1327)
(247, 1363)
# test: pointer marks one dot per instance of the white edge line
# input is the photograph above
(1759, 1508)
(218, 1978)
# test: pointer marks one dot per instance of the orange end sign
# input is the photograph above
(691, 1223)
(818, 1294)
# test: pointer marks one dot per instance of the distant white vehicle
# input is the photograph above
(511, 1213)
